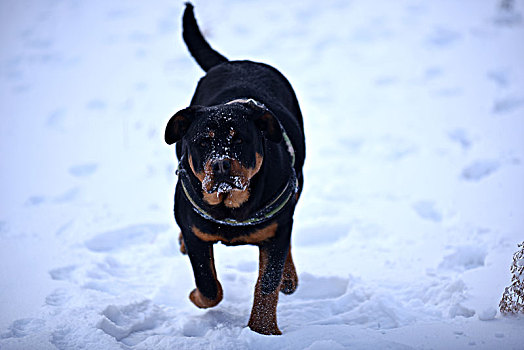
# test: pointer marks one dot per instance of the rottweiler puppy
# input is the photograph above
(240, 146)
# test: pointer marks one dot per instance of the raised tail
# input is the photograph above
(199, 48)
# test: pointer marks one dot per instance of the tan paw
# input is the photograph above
(270, 328)
(289, 284)
(201, 301)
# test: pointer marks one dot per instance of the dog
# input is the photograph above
(240, 147)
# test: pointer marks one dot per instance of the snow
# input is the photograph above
(413, 198)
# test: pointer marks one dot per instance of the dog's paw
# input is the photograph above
(289, 284)
(202, 302)
(270, 328)
(289, 279)
(182, 244)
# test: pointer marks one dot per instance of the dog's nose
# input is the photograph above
(222, 167)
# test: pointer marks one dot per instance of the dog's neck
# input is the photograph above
(259, 215)
(282, 194)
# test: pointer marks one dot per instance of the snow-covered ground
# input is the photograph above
(414, 191)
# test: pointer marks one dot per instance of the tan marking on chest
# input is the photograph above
(207, 237)
(257, 236)
(252, 238)
(205, 178)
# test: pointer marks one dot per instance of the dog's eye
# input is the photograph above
(204, 143)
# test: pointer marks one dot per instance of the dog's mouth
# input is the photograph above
(232, 192)
(226, 185)
(223, 175)
(226, 182)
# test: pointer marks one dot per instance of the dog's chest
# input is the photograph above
(236, 236)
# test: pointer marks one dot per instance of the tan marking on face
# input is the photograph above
(206, 178)
(200, 176)
(237, 197)
(263, 318)
(250, 172)
(211, 133)
(232, 132)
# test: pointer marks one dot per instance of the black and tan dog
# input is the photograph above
(240, 146)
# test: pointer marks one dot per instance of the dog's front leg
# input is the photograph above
(208, 291)
(272, 256)
(289, 276)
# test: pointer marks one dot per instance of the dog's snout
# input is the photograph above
(222, 166)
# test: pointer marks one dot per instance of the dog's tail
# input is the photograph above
(199, 48)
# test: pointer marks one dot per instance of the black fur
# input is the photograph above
(201, 133)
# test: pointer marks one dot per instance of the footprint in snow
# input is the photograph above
(506, 15)
(83, 170)
(62, 273)
(464, 258)
(198, 326)
(67, 196)
(56, 119)
(508, 105)
(499, 77)
(432, 73)
(386, 80)
(96, 105)
(129, 323)
(442, 37)
(58, 297)
(480, 169)
(427, 211)
(461, 137)
(35, 200)
(125, 237)
(25, 326)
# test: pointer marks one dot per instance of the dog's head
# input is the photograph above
(224, 146)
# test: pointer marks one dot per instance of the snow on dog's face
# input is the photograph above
(224, 147)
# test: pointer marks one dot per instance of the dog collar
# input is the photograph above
(266, 213)
(262, 215)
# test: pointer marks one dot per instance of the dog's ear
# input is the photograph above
(265, 121)
(178, 124)
(269, 125)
